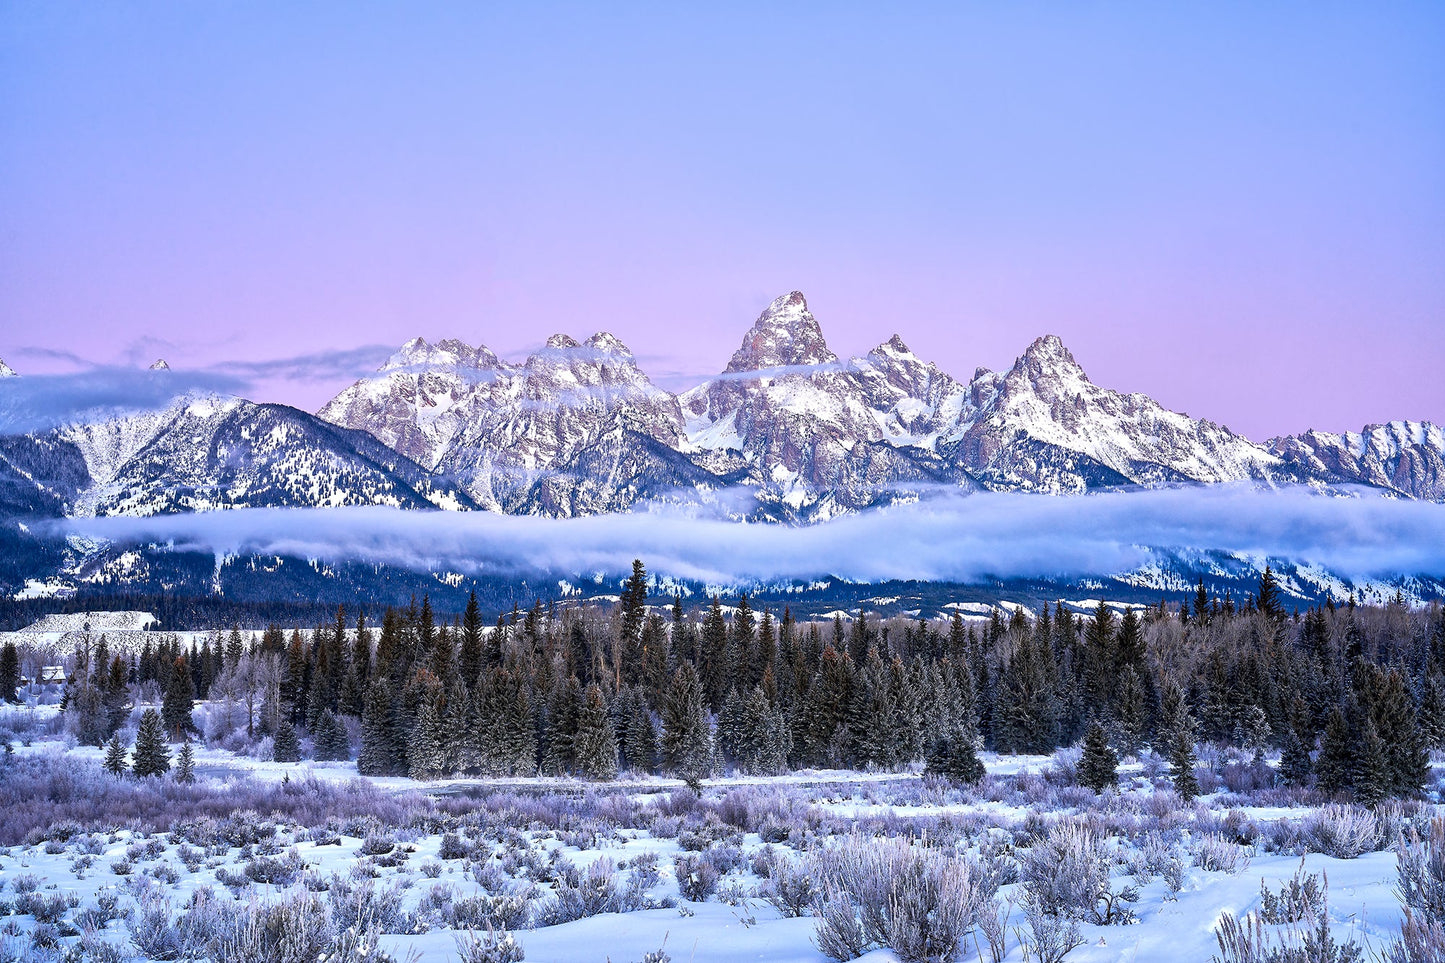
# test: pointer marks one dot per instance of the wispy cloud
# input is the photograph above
(964, 538)
(95, 392)
(39, 402)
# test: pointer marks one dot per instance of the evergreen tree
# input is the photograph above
(1372, 770)
(686, 738)
(1098, 765)
(472, 655)
(287, 747)
(1334, 769)
(428, 755)
(9, 673)
(152, 756)
(955, 758)
(595, 744)
(381, 752)
(1407, 758)
(186, 764)
(179, 701)
(1294, 763)
(115, 762)
(564, 711)
(331, 741)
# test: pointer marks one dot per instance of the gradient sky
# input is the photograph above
(1237, 209)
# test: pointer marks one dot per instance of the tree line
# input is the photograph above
(1352, 696)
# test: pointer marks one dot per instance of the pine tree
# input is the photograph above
(471, 655)
(9, 673)
(287, 747)
(428, 755)
(179, 701)
(955, 758)
(1334, 769)
(381, 753)
(115, 762)
(151, 755)
(595, 744)
(1372, 771)
(1098, 765)
(686, 739)
(1294, 763)
(330, 740)
(1407, 758)
(186, 764)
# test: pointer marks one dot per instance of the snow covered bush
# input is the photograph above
(1420, 868)
(1067, 874)
(1216, 854)
(893, 893)
(697, 877)
(1341, 831)
(790, 888)
(495, 946)
(1301, 897)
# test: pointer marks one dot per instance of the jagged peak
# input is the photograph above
(609, 343)
(785, 335)
(447, 353)
(7, 372)
(160, 365)
(893, 345)
(1048, 355)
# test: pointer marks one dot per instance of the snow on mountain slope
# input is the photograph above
(813, 434)
(6, 371)
(207, 452)
(1044, 426)
(1404, 456)
(565, 399)
(422, 397)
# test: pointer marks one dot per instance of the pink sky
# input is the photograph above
(1239, 212)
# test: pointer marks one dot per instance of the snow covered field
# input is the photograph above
(351, 869)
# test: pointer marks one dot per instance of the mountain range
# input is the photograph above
(787, 432)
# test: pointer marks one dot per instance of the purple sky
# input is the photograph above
(1237, 209)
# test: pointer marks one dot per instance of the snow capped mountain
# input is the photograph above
(159, 365)
(1044, 426)
(814, 435)
(1403, 456)
(421, 398)
(516, 437)
(578, 428)
(6, 371)
(206, 452)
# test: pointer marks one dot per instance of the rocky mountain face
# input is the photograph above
(787, 431)
(206, 452)
(1044, 426)
(1407, 457)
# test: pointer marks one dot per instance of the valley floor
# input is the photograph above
(582, 872)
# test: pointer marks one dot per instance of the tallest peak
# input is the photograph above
(6, 371)
(791, 302)
(785, 335)
(1048, 355)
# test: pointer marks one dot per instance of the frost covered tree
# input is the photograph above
(595, 745)
(381, 751)
(9, 673)
(151, 755)
(115, 761)
(287, 747)
(686, 737)
(1098, 765)
(186, 764)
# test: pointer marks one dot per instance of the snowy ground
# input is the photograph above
(587, 872)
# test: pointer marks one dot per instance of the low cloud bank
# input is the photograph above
(38, 402)
(957, 537)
